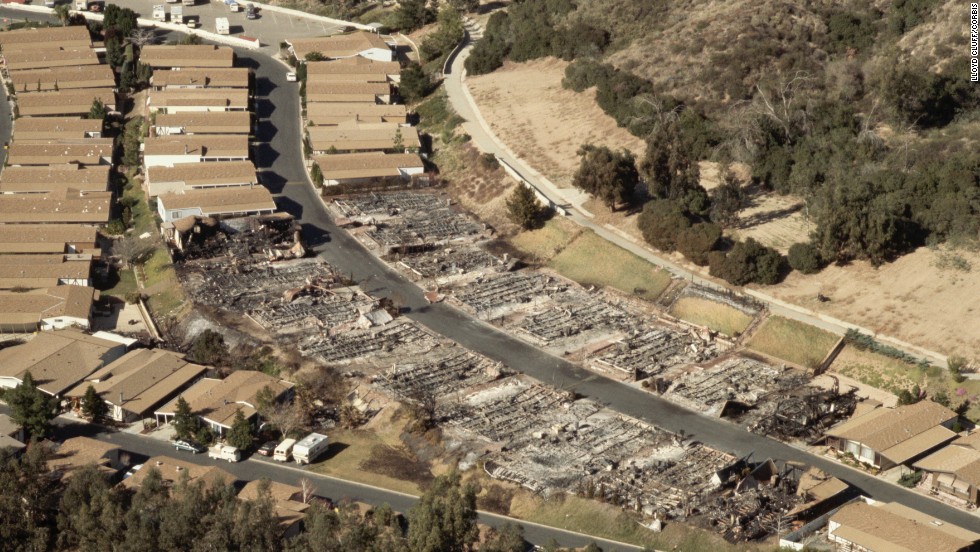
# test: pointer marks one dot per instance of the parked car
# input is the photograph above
(267, 448)
(291, 77)
(129, 473)
(188, 446)
(250, 12)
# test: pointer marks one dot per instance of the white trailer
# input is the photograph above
(173, 1)
(225, 452)
(177, 15)
(284, 450)
(81, 5)
(159, 12)
(188, 2)
(310, 448)
(221, 25)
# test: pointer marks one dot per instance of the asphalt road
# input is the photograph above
(280, 162)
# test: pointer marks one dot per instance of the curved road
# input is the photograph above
(284, 164)
(280, 161)
(485, 139)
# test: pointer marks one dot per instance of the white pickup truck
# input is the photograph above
(225, 452)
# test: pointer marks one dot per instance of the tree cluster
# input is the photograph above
(415, 83)
(439, 43)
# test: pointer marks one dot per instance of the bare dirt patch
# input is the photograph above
(773, 220)
(922, 298)
(542, 122)
(717, 316)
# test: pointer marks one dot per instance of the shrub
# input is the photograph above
(697, 241)
(805, 257)
(415, 83)
(608, 175)
(661, 223)
(748, 262)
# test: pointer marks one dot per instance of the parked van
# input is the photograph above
(225, 452)
(284, 451)
(310, 448)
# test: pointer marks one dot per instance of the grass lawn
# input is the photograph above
(878, 371)
(546, 242)
(717, 316)
(591, 260)
(125, 284)
(792, 341)
(349, 449)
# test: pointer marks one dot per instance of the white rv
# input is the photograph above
(221, 25)
(177, 15)
(284, 450)
(310, 448)
(159, 12)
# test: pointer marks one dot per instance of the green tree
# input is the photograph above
(143, 516)
(90, 513)
(748, 262)
(669, 170)
(413, 14)
(444, 519)
(98, 110)
(608, 175)
(28, 500)
(93, 407)
(415, 83)
(523, 207)
(63, 13)
(446, 37)
(697, 241)
(315, 56)
(726, 201)
(31, 408)
(240, 434)
(661, 223)
(507, 538)
(209, 348)
(805, 258)
(185, 422)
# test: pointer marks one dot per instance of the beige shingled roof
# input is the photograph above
(57, 360)
(234, 77)
(31, 307)
(88, 151)
(288, 499)
(885, 428)
(337, 46)
(40, 179)
(78, 452)
(41, 270)
(62, 78)
(171, 470)
(64, 102)
(205, 145)
(143, 378)
(357, 65)
(34, 58)
(894, 528)
(218, 400)
(207, 122)
(187, 56)
(74, 35)
(56, 128)
(231, 98)
(44, 238)
(64, 206)
(221, 200)
(959, 460)
(365, 165)
(362, 137)
(327, 113)
(204, 174)
(322, 91)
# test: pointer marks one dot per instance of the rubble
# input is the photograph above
(441, 377)
(398, 339)
(365, 208)
(653, 350)
(421, 231)
(449, 264)
(270, 237)
(573, 318)
(735, 384)
(495, 296)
